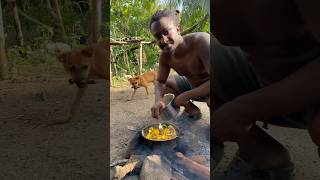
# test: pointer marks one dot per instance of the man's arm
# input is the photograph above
(163, 73)
(160, 85)
(200, 91)
(297, 92)
(204, 51)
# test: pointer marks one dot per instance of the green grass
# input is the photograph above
(34, 63)
(119, 81)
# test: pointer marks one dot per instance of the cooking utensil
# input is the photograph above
(145, 130)
(170, 111)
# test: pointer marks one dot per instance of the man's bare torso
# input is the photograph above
(187, 62)
(273, 32)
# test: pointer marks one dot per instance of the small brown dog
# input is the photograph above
(142, 81)
(91, 62)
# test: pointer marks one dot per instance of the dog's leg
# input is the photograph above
(76, 102)
(146, 87)
(134, 92)
(73, 108)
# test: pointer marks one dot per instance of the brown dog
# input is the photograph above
(85, 64)
(142, 81)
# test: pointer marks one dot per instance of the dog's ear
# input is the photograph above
(62, 57)
(128, 76)
(87, 51)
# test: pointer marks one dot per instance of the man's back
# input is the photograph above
(271, 31)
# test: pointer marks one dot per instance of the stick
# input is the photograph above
(118, 162)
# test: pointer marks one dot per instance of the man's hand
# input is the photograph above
(232, 120)
(157, 109)
(182, 100)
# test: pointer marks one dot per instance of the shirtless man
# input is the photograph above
(266, 65)
(188, 55)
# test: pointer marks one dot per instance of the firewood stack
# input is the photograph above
(157, 167)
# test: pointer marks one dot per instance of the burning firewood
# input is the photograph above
(117, 162)
(193, 166)
(156, 167)
(122, 171)
(199, 159)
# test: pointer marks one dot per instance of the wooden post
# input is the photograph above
(59, 33)
(140, 59)
(3, 58)
(110, 56)
(17, 23)
(95, 21)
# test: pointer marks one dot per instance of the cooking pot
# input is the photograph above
(170, 111)
(145, 130)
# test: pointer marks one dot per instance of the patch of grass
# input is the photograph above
(119, 81)
(32, 63)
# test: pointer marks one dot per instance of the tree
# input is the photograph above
(59, 34)
(3, 58)
(95, 21)
(17, 23)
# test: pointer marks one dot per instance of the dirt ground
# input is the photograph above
(31, 150)
(126, 114)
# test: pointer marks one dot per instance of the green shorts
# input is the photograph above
(184, 85)
(233, 76)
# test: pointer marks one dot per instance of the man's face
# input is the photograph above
(166, 33)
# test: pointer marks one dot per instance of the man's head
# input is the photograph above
(164, 26)
(78, 63)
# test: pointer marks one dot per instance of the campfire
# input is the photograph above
(185, 157)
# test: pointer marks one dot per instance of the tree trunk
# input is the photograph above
(3, 58)
(95, 21)
(17, 23)
(59, 34)
(90, 4)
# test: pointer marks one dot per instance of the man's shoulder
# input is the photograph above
(197, 37)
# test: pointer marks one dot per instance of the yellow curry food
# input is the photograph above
(154, 133)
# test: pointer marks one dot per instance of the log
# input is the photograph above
(117, 162)
(156, 167)
(193, 166)
(134, 163)
(135, 177)
(199, 159)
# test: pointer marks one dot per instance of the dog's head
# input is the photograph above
(134, 81)
(78, 63)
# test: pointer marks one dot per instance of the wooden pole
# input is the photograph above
(3, 58)
(110, 56)
(17, 23)
(140, 60)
